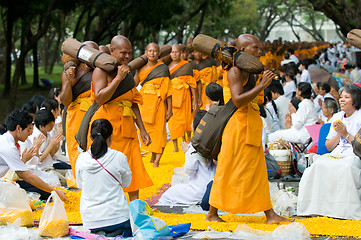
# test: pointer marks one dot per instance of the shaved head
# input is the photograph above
(244, 40)
(151, 45)
(119, 41)
(91, 44)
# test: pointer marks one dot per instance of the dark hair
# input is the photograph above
(290, 50)
(306, 89)
(276, 87)
(262, 111)
(54, 92)
(286, 55)
(355, 92)
(326, 86)
(331, 104)
(43, 117)
(295, 102)
(319, 85)
(268, 97)
(30, 107)
(197, 117)
(18, 117)
(3, 129)
(101, 130)
(50, 104)
(38, 100)
(215, 92)
(304, 63)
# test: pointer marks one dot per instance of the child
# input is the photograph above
(101, 173)
(200, 171)
(214, 93)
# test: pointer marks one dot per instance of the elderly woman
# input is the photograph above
(331, 186)
(297, 121)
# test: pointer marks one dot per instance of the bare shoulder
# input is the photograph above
(100, 75)
(236, 74)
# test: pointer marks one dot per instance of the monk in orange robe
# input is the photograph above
(122, 111)
(181, 79)
(241, 184)
(156, 109)
(208, 74)
(75, 95)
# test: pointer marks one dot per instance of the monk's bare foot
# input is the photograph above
(214, 218)
(274, 218)
(176, 150)
(155, 165)
(152, 160)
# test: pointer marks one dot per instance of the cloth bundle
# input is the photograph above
(227, 55)
(354, 38)
(89, 55)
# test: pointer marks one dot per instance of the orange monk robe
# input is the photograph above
(220, 72)
(207, 75)
(181, 103)
(154, 107)
(125, 137)
(196, 77)
(241, 183)
(226, 89)
(74, 114)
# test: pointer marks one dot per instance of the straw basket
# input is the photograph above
(283, 159)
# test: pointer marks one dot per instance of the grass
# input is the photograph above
(25, 92)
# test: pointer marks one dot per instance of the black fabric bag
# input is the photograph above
(207, 137)
(273, 169)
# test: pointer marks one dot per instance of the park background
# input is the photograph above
(31, 32)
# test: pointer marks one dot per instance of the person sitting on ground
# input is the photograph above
(297, 120)
(353, 74)
(286, 59)
(38, 100)
(305, 75)
(281, 102)
(19, 126)
(271, 122)
(200, 171)
(289, 86)
(331, 185)
(101, 173)
(214, 93)
(44, 123)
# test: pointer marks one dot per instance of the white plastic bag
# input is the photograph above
(284, 202)
(211, 234)
(14, 205)
(53, 221)
(70, 179)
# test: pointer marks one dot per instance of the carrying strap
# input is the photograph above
(105, 168)
(161, 70)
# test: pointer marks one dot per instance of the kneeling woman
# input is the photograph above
(331, 186)
(101, 173)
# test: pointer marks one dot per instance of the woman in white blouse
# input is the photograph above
(331, 186)
(289, 86)
(297, 121)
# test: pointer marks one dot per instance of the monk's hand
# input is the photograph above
(123, 70)
(70, 73)
(168, 115)
(267, 78)
(195, 105)
(145, 138)
(200, 102)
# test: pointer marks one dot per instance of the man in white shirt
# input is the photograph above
(19, 127)
(292, 55)
(305, 75)
(281, 102)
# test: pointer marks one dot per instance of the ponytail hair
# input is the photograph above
(101, 130)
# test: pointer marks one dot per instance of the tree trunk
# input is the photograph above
(55, 53)
(45, 53)
(22, 53)
(9, 37)
(36, 67)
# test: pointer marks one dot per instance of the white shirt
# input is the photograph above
(286, 61)
(102, 201)
(289, 89)
(294, 58)
(306, 115)
(282, 106)
(317, 104)
(48, 161)
(352, 123)
(305, 76)
(273, 123)
(9, 155)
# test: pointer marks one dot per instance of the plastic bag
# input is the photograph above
(284, 202)
(14, 205)
(53, 221)
(292, 231)
(143, 224)
(179, 176)
(211, 234)
(13, 231)
(70, 179)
